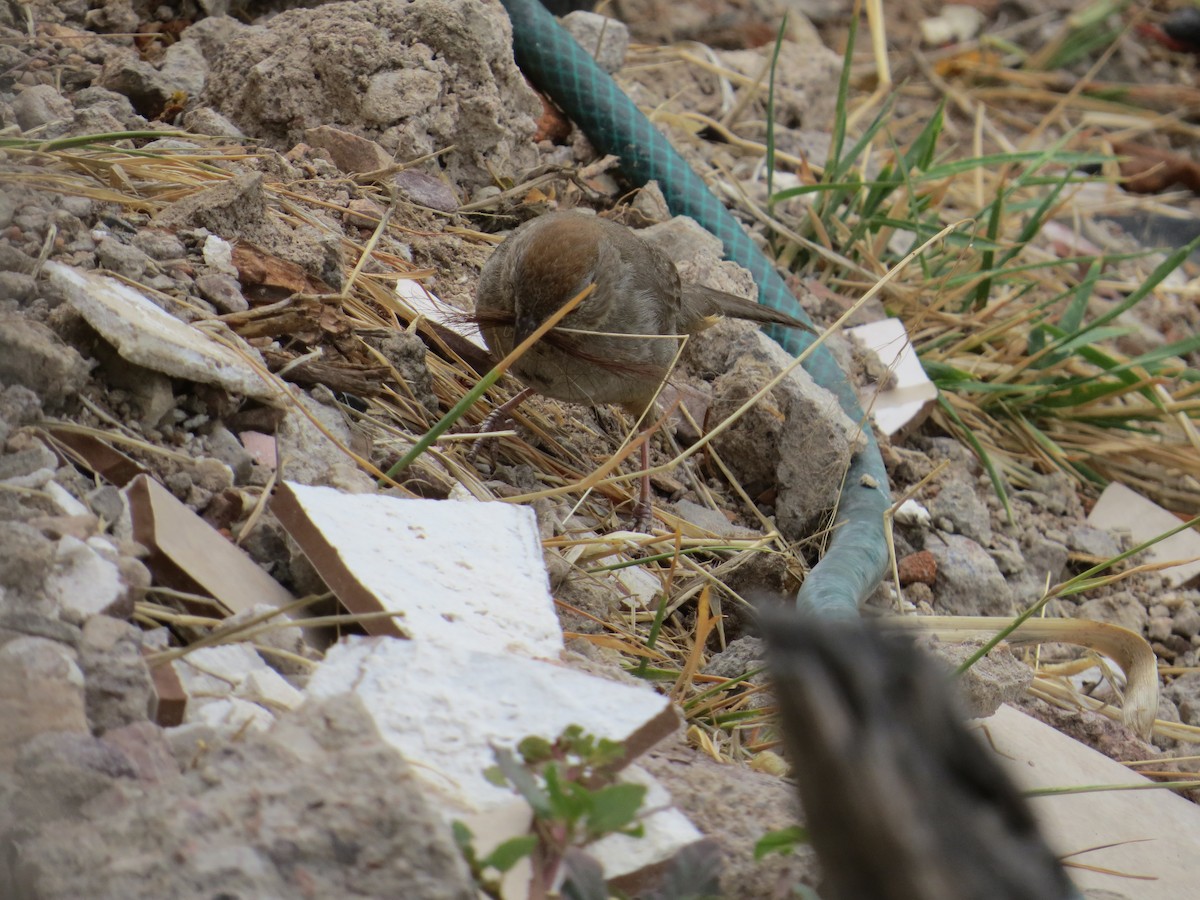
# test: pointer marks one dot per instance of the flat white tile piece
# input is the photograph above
(466, 575)
(1122, 510)
(418, 298)
(148, 336)
(909, 401)
(667, 831)
(1146, 832)
(445, 709)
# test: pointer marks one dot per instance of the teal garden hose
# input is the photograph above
(856, 558)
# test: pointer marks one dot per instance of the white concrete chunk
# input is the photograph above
(421, 301)
(465, 575)
(217, 671)
(150, 337)
(1144, 832)
(444, 709)
(267, 688)
(1123, 511)
(907, 403)
(230, 715)
(84, 583)
(667, 831)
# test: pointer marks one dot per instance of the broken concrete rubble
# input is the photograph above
(317, 805)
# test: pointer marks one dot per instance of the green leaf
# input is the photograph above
(535, 749)
(465, 841)
(509, 853)
(614, 807)
(569, 802)
(783, 841)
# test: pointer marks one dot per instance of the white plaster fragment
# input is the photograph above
(420, 300)
(148, 336)
(667, 831)
(83, 582)
(467, 575)
(1123, 511)
(910, 512)
(230, 715)
(211, 672)
(445, 709)
(909, 401)
(268, 689)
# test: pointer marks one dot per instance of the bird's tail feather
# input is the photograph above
(702, 302)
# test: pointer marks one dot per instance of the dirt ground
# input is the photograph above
(272, 175)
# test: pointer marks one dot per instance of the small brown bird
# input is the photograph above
(618, 344)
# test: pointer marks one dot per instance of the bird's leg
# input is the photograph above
(643, 512)
(501, 415)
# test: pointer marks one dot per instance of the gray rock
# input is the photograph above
(18, 406)
(320, 805)
(1122, 608)
(225, 446)
(27, 559)
(968, 580)
(406, 353)
(124, 259)
(796, 441)
(709, 519)
(119, 690)
(53, 776)
(84, 582)
(17, 622)
(1044, 559)
(416, 77)
(146, 748)
(222, 291)
(107, 502)
(738, 658)
(997, 678)
(1184, 692)
(425, 190)
(1186, 621)
(958, 504)
(17, 287)
(1158, 628)
(184, 67)
(237, 209)
(40, 105)
(203, 120)
(605, 39)
(1093, 542)
(100, 98)
(33, 356)
(16, 467)
(158, 244)
(683, 239)
(309, 454)
(150, 89)
(41, 690)
(94, 121)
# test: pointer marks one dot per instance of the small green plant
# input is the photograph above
(1017, 331)
(571, 786)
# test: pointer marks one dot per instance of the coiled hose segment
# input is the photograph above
(856, 558)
